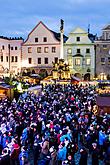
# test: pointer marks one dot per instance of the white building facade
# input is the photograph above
(80, 54)
(10, 56)
(41, 48)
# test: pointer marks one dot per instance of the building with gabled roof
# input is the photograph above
(107, 27)
(41, 48)
(80, 54)
(103, 54)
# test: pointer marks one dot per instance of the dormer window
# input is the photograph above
(45, 39)
(36, 39)
(77, 39)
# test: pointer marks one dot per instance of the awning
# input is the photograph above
(103, 101)
(35, 75)
(78, 55)
(75, 78)
(38, 87)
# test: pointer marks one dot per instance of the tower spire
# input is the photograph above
(88, 28)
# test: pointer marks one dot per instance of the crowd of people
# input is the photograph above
(55, 127)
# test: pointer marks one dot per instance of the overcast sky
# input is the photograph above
(19, 17)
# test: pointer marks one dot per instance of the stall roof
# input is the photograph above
(75, 78)
(103, 101)
(37, 87)
(5, 86)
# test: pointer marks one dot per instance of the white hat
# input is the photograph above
(51, 149)
(94, 144)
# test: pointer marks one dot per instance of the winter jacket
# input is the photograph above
(61, 155)
(23, 157)
(102, 138)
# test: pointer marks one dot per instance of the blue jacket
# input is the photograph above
(4, 141)
(62, 138)
(24, 134)
(61, 155)
(102, 137)
(22, 155)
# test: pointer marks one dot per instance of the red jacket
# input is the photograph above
(15, 151)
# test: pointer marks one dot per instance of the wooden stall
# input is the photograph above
(6, 91)
(103, 104)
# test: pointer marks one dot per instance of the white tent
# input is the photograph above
(36, 89)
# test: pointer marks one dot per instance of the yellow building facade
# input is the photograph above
(80, 54)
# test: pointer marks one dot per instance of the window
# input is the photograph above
(102, 61)
(100, 49)
(29, 49)
(30, 60)
(12, 59)
(108, 60)
(46, 50)
(15, 47)
(78, 50)
(46, 61)
(1, 58)
(38, 49)
(77, 61)
(3, 47)
(11, 48)
(39, 61)
(45, 39)
(88, 61)
(69, 50)
(56, 59)
(16, 59)
(77, 39)
(104, 46)
(53, 49)
(36, 39)
(87, 50)
(6, 58)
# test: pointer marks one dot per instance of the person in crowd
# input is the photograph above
(5, 158)
(95, 154)
(62, 152)
(14, 155)
(23, 156)
(53, 126)
(83, 158)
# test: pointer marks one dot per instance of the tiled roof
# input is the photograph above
(3, 85)
(11, 38)
(106, 27)
(57, 36)
(92, 37)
